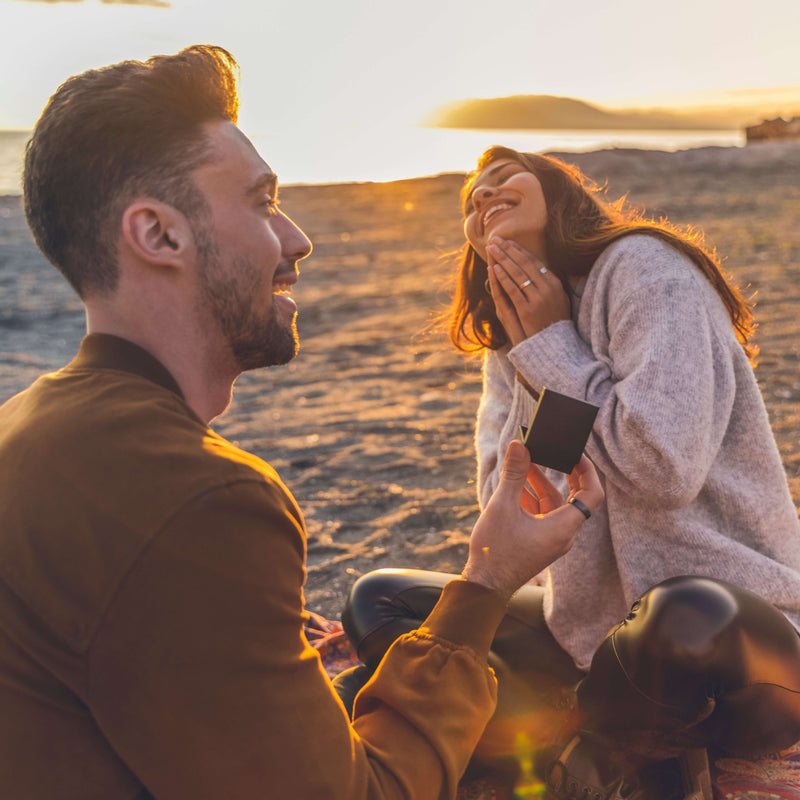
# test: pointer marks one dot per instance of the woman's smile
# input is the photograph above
(502, 206)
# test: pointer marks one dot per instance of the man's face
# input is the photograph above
(247, 258)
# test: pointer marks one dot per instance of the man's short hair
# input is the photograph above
(110, 135)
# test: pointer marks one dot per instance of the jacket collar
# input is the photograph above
(104, 351)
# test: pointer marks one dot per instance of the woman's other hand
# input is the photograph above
(528, 296)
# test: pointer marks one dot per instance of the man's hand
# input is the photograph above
(519, 533)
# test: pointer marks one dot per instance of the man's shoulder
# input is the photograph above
(152, 434)
(94, 470)
(122, 431)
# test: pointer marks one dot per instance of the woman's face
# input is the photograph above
(506, 201)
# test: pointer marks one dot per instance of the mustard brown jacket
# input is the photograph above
(151, 617)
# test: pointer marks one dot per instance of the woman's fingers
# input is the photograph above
(510, 285)
(522, 268)
(505, 307)
(538, 297)
(530, 309)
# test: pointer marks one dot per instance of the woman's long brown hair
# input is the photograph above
(579, 227)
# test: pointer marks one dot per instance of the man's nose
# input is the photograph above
(294, 243)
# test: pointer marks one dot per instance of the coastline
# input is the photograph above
(371, 426)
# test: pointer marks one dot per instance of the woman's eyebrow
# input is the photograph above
(491, 172)
(497, 168)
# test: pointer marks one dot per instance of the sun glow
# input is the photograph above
(357, 61)
(333, 79)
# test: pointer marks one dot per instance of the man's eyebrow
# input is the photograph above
(268, 182)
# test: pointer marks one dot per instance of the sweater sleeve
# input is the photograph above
(660, 369)
(202, 680)
(505, 405)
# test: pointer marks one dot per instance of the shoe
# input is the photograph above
(696, 775)
(581, 771)
(587, 770)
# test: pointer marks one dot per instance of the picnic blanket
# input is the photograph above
(772, 777)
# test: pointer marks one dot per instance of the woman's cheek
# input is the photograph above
(471, 233)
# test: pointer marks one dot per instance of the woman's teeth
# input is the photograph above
(493, 209)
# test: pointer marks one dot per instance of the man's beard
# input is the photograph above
(255, 341)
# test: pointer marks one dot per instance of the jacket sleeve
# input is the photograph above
(203, 682)
(664, 381)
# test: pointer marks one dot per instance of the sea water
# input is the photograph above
(313, 155)
(12, 148)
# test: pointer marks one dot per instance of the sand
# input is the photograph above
(371, 426)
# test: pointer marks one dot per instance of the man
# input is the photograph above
(151, 608)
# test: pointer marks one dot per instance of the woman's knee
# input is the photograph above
(695, 626)
(384, 604)
(690, 648)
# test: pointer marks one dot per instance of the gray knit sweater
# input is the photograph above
(693, 479)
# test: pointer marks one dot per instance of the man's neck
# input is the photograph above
(204, 377)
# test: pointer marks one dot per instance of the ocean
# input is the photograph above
(12, 147)
(309, 155)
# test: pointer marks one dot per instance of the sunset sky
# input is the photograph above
(350, 62)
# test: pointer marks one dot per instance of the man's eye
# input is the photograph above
(270, 204)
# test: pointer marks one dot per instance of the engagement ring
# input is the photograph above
(527, 283)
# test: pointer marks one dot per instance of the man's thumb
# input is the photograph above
(515, 464)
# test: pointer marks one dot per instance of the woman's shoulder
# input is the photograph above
(633, 245)
(498, 367)
(497, 360)
(642, 259)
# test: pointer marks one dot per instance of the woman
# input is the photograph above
(590, 300)
(699, 536)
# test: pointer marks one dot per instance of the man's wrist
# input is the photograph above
(474, 574)
(467, 613)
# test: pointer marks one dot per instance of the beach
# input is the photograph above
(371, 426)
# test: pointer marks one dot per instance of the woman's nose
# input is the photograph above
(481, 195)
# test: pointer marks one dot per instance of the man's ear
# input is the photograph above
(157, 233)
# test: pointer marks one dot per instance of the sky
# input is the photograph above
(330, 89)
(354, 62)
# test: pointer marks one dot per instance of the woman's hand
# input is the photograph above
(520, 532)
(527, 296)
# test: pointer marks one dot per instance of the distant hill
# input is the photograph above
(541, 111)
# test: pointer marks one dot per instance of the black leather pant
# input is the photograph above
(697, 663)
